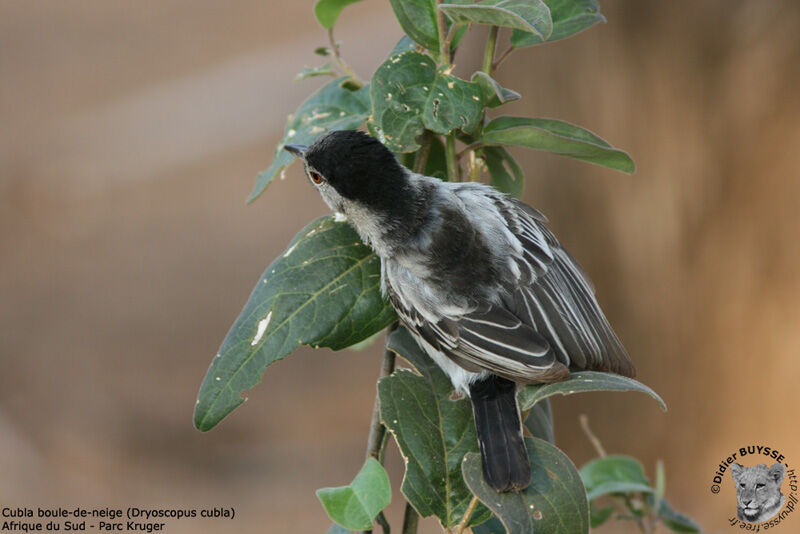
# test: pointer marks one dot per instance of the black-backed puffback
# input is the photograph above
(477, 278)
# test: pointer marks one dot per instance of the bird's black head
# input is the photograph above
(357, 167)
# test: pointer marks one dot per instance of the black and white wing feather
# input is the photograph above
(546, 320)
(560, 303)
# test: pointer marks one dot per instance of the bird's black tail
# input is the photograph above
(505, 459)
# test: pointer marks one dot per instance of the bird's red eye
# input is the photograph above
(316, 177)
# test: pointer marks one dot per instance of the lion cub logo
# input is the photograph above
(758, 491)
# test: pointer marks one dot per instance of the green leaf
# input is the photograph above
(614, 474)
(322, 51)
(505, 174)
(598, 516)
(555, 502)
(432, 431)
(409, 94)
(323, 291)
(581, 382)
(355, 506)
(539, 421)
(525, 15)
(493, 94)
(661, 483)
(328, 11)
(333, 107)
(490, 526)
(558, 137)
(418, 20)
(363, 345)
(310, 72)
(403, 45)
(569, 17)
(338, 529)
(675, 521)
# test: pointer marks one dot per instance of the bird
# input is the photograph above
(479, 281)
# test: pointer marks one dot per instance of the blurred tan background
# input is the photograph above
(131, 135)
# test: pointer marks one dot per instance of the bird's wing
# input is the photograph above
(490, 339)
(559, 303)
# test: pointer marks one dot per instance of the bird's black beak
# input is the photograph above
(296, 150)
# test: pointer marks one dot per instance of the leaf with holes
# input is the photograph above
(554, 503)
(356, 505)
(582, 382)
(333, 107)
(524, 15)
(409, 94)
(433, 433)
(558, 137)
(323, 291)
(569, 17)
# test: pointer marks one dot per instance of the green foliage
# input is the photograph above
(493, 93)
(614, 474)
(323, 290)
(311, 72)
(569, 17)
(558, 137)
(582, 382)
(433, 433)
(555, 502)
(525, 15)
(328, 11)
(410, 94)
(505, 174)
(355, 506)
(623, 478)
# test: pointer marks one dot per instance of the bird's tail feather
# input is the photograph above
(503, 454)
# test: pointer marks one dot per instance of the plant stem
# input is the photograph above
(339, 61)
(377, 431)
(444, 44)
(450, 156)
(468, 149)
(424, 151)
(465, 520)
(381, 519)
(410, 520)
(588, 431)
(376, 428)
(488, 55)
(503, 56)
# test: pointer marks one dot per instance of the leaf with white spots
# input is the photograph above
(433, 432)
(410, 94)
(333, 107)
(554, 503)
(582, 382)
(323, 291)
